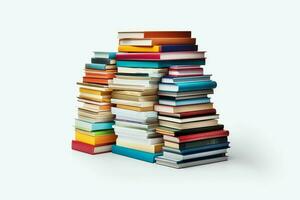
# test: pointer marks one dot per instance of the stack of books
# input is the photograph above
(188, 120)
(94, 132)
(143, 58)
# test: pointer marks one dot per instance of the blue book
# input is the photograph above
(187, 86)
(171, 79)
(170, 102)
(158, 64)
(102, 54)
(95, 66)
(132, 153)
(172, 48)
(205, 148)
(88, 126)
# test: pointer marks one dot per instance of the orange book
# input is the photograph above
(155, 34)
(105, 76)
(95, 80)
(156, 41)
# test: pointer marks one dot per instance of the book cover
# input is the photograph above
(158, 64)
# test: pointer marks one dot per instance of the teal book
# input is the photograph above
(187, 86)
(158, 64)
(95, 66)
(87, 126)
(184, 102)
(136, 154)
(102, 54)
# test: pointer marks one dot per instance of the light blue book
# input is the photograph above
(184, 102)
(170, 79)
(157, 64)
(88, 126)
(187, 86)
(102, 54)
(136, 154)
(95, 66)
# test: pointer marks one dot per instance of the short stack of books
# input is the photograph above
(143, 58)
(187, 119)
(94, 132)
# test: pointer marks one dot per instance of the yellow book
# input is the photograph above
(154, 148)
(95, 140)
(95, 92)
(140, 109)
(154, 48)
(95, 97)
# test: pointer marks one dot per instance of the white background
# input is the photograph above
(253, 54)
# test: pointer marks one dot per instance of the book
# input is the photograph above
(135, 108)
(132, 153)
(133, 132)
(180, 55)
(90, 149)
(197, 136)
(95, 80)
(133, 114)
(129, 124)
(87, 126)
(180, 109)
(103, 61)
(196, 144)
(186, 72)
(101, 54)
(188, 125)
(158, 48)
(155, 41)
(99, 66)
(183, 102)
(149, 89)
(136, 93)
(177, 132)
(94, 86)
(184, 94)
(172, 79)
(154, 34)
(158, 64)
(134, 98)
(195, 162)
(95, 140)
(95, 133)
(190, 114)
(190, 119)
(133, 103)
(188, 86)
(153, 148)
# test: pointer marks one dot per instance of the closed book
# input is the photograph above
(180, 109)
(188, 119)
(134, 98)
(194, 144)
(99, 66)
(190, 114)
(95, 140)
(95, 97)
(79, 124)
(183, 97)
(191, 163)
(197, 136)
(136, 154)
(185, 94)
(133, 103)
(102, 54)
(188, 86)
(158, 48)
(135, 108)
(92, 86)
(172, 79)
(184, 101)
(155, 148)
(94, 91)
(133, 114)
(90, 149)
(158, 64)
(95, 80)
(145, 141)
(187, 72)
(103, 61)
(138, 88)
(176, 132)
(134, 132)
(156, 41)
(143, 126)
(188, 125)
(136, 93)
(154, 34)
(181, 55)
(95, 133)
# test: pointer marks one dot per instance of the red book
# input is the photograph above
(95, 80)
(197, 136)
(184, 67)
(180, 55)
(90, 149)
(186, 72)
(191, 113)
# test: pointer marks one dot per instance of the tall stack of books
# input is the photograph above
(94, 132)
(187, 119)
(143, 58)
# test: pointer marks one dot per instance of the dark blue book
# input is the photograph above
(132, 153)
(172, 48)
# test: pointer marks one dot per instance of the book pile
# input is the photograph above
(187, 119)
(94, 132)
(143, 58)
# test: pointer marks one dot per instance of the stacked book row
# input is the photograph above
(94, 132)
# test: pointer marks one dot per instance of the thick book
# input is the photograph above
(154, 34)
(180, 109)
(176, 132)
(106, 61)
(156, 41)
(195, 144)
(172, 79)
(182, 55)
(187, 86)
(95, 80)
(102, 54)
(90, 149)
(158, 64)
(150, 148)
(95, 140)
(79, 124)
(183, 102)
(190, 163)
(136, 154)
(158, 48)
(197, 136)
(186, 72)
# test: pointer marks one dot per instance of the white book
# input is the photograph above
(190, 119)
(132, 113)
(125, 131)
(136, 125)
(137, 140)
(145, 83)
(137, 120)
(133, 103)
(180, 157)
